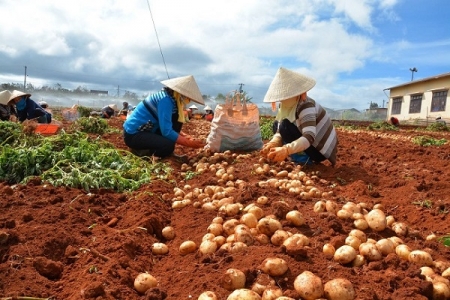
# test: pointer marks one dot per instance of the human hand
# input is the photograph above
(278, 154)
(267, 148)
(193, 143)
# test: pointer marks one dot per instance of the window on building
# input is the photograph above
(415, 104)
(396, 105)
(439, 100)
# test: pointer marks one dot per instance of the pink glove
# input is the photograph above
(278, 154)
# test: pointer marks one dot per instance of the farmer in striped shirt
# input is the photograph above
(301, 124)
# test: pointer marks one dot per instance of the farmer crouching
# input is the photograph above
(155, 125)
(301, 125)
(28, 109)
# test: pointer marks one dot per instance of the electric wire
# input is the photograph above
(157, 38)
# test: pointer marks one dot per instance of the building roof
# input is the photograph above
(420, 80)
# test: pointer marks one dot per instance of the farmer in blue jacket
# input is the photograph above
(28, 109)
(155, 125)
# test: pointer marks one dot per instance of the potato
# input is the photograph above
(344, 254)
(376, 220)
(243, 294)
(339, 289)
(233, 279)
(160, 249)
(359, 261)
(359, 234)
(328, 250)
(208, 295)
(353, 242)
(187, 247)
(268, 226)
(295, 218)
(361, 224)
(308, 285)
(385, 246)
(279, 237)
(441, 290)
(400, 228)
(144, 281)
(274, 266)
(319, 206)
(249, 219)
(421, 257)
(168, 233)
(370, 251)
(272, 293)
(215, 228)
(207, 247)
(403, 251)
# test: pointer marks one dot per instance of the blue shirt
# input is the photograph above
(156, 114)
(32, 111)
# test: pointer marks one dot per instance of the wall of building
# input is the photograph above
(425, 88)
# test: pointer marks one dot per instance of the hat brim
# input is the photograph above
(288, 84)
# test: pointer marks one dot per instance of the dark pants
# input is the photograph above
(145, 143)
(289, 133)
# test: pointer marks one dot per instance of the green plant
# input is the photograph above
(445, 240)
(84, 111)
(424, 203)
(78, 161)
(90, 125)
(265, 125)
(437, 127)
(190, 174)
(426, 141)
(382, 125)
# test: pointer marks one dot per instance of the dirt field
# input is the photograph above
(49, 248)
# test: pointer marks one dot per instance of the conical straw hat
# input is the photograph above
(16, 94)
(186, 86)
(207, 107)
(193, 106)
(113, 106)
(288, 84)
(4, 97)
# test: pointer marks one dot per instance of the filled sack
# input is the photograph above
(235, 126)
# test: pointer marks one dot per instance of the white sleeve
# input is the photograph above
(298, 145)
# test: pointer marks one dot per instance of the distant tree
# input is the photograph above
(81, 90)
(373, 105)
(130, 95)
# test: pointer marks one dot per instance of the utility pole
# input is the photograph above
(412, 72)
(118, 93)
(240, 87)
(25, 80)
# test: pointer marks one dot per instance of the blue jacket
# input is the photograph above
(33, 111)
(155, 114)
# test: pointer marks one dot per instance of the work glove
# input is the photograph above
(276, 141)
(191, 143)
(278, 154)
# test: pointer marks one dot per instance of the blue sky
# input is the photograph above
(354, 49)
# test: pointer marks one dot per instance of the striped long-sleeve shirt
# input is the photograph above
(315, 125)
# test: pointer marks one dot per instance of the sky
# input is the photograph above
(354, 49)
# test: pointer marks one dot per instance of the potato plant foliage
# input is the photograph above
(73, 160)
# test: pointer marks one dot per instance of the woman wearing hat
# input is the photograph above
(155, 125)
(7, 112)
(209, 115)
(28, 109)
(301, 124)
(108, 111)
